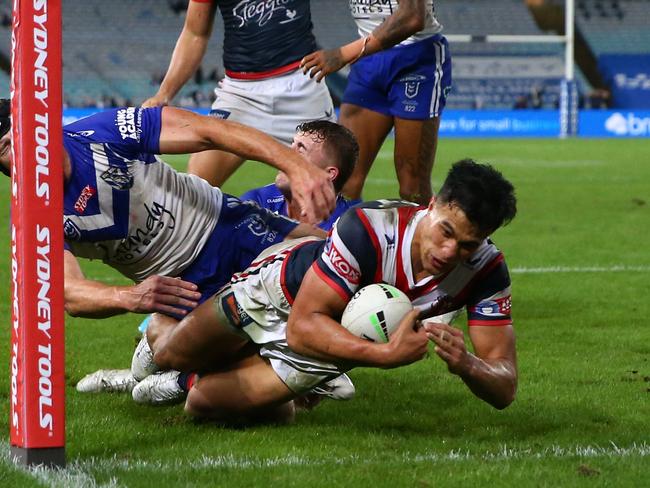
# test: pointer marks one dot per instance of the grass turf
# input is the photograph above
(581, 281)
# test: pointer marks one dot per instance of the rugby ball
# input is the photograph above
(375, 311)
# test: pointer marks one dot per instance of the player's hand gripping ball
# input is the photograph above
(375, 312)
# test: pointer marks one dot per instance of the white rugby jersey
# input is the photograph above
(127, 207)
(369, 14)
(372, 243)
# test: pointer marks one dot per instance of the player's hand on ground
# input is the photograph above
(321, 63)
(313, 190)
(408, 343)
(450, 346)
(164, 294)
(155, 101)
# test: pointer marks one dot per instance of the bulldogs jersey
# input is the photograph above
(262, 35)
(372, 243)
(271, 197)
(125, 206)
(369, 15)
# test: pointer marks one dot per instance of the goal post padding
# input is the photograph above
(37, 410)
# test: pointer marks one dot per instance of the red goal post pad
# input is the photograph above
(37, 412)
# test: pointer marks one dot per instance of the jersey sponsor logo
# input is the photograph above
(366, 7)
(118, 178)
(234, 312)
(342, 267)
(82, 202)
(125, 121)
(71, 231)
(261, 12)
(136, 243)
(498, 307)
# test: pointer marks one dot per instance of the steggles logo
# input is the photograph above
(261, 11)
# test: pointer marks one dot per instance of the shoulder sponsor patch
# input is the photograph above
(342, 266)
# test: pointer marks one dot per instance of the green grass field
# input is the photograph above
(578, 252)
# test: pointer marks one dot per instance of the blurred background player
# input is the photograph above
(154, 225)
(327, 145)
(290, 300)
(402, 87)
(263, 87)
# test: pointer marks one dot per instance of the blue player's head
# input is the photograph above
(5, 135)
(329, 146)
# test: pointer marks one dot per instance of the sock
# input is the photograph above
(186, 381)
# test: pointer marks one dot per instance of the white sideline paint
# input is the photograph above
(77, 473)
(615, 268)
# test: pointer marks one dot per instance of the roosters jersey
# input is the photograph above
(262, 35)
(372, 243)
(369, 15)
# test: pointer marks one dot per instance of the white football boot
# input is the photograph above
(161, 388)
(142, 364)
(108, 380)
(340, 388)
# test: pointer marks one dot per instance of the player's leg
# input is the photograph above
(249, 389)
(203, 339)
(370, 128)
(214, 166)
(415, 150)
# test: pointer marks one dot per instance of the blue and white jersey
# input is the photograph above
(372, 244)
(369, 15)
(271, 197)
(263, 35)
(127, 207)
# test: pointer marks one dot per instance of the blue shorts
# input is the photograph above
(242, 232)
(410, 81)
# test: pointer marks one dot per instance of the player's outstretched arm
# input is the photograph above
(491, 373)
(89, 298)
(403, 23)
(183, 132)
(188, 53)
(313, 331)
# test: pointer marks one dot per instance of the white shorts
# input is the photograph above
(274, 105)
(255, 304)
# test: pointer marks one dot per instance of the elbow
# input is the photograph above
(506, 398)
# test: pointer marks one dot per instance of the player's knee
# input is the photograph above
(166, 358)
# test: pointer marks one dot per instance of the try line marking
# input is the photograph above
(78, 472)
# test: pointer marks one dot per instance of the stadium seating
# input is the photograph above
(118, 51)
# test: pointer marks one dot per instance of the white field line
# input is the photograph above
(78, 472)
(616, 268)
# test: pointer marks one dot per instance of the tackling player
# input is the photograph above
(263, 87)
(402, 87)
(439, 255)
(329, 146)
(154, 225)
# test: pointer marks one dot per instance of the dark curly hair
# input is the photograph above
(486, 197)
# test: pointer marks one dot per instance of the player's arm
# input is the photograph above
(313, 330)
(183, 131)
(188, 53)
(89, 298)
(491, 372)
(403, 23)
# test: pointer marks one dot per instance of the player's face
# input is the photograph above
(5, 151)
(313, 150)
(446, 238)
